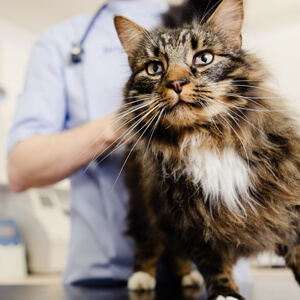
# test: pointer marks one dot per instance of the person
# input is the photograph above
(64, 119)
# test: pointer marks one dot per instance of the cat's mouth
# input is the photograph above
(184, 104)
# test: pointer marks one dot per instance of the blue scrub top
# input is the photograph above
(59, 95)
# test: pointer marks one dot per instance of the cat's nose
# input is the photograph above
(177, 84)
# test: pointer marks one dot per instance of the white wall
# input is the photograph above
(15, 48)
(272, 31)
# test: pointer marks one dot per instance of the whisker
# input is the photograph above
(248, 122)
(93, 143)
(152, 131)
(206, 13)
(211, 117)
(247, 80)
(243, 108)
(144, 95)
(223, 83)
(242, 97)
(250, 97)
(146, 100)
(239, 116)
(122, 125)
(141, 119)
(132, 148)
(149, 38)
(122, 141)
(236, 133)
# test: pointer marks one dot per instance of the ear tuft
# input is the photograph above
(130, 34)
(228, 18)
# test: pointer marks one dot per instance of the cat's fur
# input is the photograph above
(214, 164)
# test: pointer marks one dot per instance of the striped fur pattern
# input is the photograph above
(213, 162)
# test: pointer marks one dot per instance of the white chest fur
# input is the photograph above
(223, 175)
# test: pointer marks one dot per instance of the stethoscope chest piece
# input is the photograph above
(77, 49)
(77, 53)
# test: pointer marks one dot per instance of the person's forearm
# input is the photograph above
(46, 159)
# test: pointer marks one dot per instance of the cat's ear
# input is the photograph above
(228, 17)
(130, 34)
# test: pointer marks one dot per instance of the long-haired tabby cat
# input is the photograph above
(214, 160)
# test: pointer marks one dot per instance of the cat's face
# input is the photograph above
(184, 73)
(188, 76)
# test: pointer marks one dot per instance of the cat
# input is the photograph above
(213, 163)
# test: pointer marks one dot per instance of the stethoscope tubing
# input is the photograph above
(77, 50)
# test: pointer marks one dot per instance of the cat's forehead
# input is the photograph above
(191, 37)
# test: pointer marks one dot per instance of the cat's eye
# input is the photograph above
(155, 68)
(203, 58)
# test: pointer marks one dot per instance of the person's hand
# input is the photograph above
(107, 132)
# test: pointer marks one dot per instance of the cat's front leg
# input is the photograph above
(181, 266)
(292, 258)
(147, 254)
(221, 285)
(219, 281)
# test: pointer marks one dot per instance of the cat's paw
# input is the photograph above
(226, 298)
(193, 279)
(141, 281)
(138, 295)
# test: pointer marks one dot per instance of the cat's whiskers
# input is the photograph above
(117, 117)
(152, 132)
(144, 95)
(245, 108)
(257, 87)
(210, 115)
(239, 116)
(122, 141)
(163, 120)
(234, 119)
(241, 97)
(205, 14)
(120, 117)
(229, 84)
(133, 126)
(147, 124)
(135, 108)
(247, 80)
(250, 99)
(215, 115)
(133, 102)
(149, 38)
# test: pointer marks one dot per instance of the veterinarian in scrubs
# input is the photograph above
(64, 119)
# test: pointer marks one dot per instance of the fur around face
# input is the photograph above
(214, 161)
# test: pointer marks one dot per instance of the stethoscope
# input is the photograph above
(77, 50)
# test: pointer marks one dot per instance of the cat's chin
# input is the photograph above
(185, 115)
